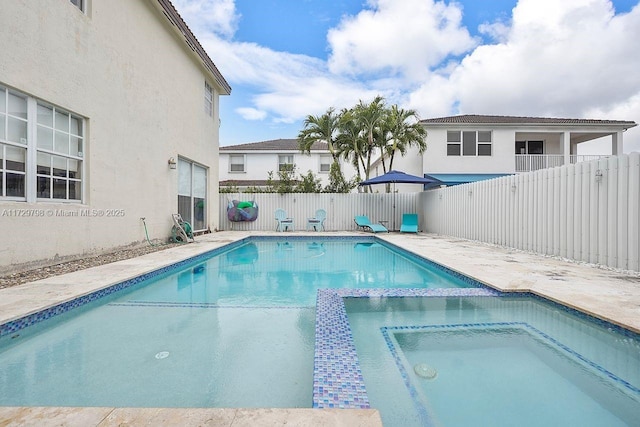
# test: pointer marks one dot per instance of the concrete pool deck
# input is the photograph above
(604, 293)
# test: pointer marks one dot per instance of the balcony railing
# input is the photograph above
(534, 162)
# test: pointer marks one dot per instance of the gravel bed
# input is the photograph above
(26, 276)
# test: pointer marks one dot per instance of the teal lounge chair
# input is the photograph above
(317, 222)
(363, 222)
(284, 222)
(409, 223)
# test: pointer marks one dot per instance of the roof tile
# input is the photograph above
(274, 145)
(490, 119)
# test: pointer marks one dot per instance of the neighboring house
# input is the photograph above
(469, 148)
(248, 165)
(108, 114)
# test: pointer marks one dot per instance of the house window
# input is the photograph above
(12, 171)
(285, 162)
(325, 163)
(60, 148)
(453, 143)
(469, 143)
(236, 163)
(192, 194)
(32, 131)
(208, 99)
(529, 147)
(80, 4)
(484, 143)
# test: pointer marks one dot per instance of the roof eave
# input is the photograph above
(181, 28)
(621, 125)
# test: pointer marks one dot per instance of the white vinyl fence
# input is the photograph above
(588, 211)
(341, 208)
(585, 211)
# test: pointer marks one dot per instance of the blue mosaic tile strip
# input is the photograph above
(204, 305)
(425, 418)
(13, 326)
(314, 238)
(434, 265)
(337, 378)
(416, 292)
(594, 365)
(574, 312)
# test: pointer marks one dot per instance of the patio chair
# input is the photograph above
(284, 222)
(363, 222)
(317, 222)
(409, 223)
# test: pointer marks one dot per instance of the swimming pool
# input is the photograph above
(254, 331)
(505, 360)
(234, 328)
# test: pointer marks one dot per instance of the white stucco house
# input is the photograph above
(469, 148)
(248, 165)
(108, 114)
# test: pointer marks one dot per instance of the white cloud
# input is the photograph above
(288, 86)
(248, 113)
(557, 59)
(574, 58)
(629, 109)
(406, 37)
(217, 16)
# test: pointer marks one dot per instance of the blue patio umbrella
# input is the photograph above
(399, 177)
(393, 177)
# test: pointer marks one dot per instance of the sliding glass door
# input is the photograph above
(192, 194)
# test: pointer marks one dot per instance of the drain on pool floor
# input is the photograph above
(425, 371)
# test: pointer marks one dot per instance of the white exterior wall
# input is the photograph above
(411, 163)
(551, 142)
(502, 159)
(258, 164)
(121, 68)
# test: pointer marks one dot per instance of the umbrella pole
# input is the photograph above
(394, 208)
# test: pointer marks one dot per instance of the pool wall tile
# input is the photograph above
(14, 326)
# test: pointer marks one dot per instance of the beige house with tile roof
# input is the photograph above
(108, 114)
(248, 165)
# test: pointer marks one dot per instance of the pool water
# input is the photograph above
(288, 273)
(234, 330)
(498, 361)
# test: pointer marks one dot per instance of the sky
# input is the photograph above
(286, 59)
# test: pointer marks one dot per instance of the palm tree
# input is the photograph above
(322, 128)
(402, 130)
(368, 118)
(350, 142)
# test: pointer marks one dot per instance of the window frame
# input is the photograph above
(282, 164)
(461, 142)
(329, 162)
(191, 217)
(208, 99)
(75, 164)
(484, 143)
(244, 163)
(80, 4)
